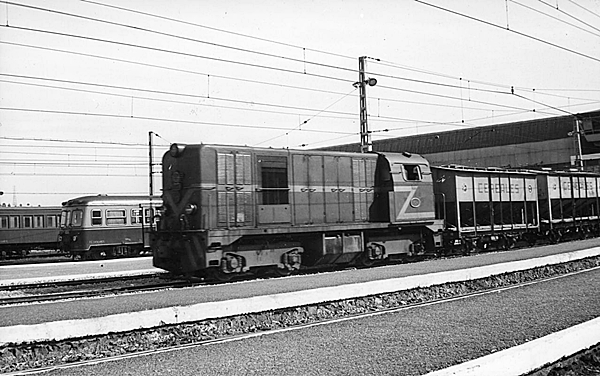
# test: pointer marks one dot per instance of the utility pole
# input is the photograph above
(577, 134)
(150, 164)
(365, 135)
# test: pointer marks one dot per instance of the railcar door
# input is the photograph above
(363, 173)
(309, 203)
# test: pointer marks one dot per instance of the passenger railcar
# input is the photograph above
(229, 210)
(25, 228)
(96, 227)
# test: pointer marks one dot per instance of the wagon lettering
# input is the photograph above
(498, 188)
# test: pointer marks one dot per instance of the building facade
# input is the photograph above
(550, 142)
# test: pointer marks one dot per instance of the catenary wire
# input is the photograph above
(510, 30)
(186, 54)
(239, 49)
(216, 29)
(568, 15)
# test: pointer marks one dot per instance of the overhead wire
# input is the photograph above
(330, 77)
(138, 28)
(584, 8)
(186, 54)
(254, 103)
(568, 15)
(181, 121)
(216, 29)
(299, 127)
(558, 19)
(396, 77)
(510, 30)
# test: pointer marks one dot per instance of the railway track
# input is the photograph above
(88, 288)
(151, 342)
(38, 293)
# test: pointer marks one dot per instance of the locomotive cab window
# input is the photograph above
(274, 180)
(411, 172)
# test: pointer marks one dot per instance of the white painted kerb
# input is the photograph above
(528, 357)
(59, 330)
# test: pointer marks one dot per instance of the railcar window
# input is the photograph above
(51, 221)
(412, 172)
(148, 215)
(27, 221)
(116, 217)
(15, 222)
(136, 216)
(77, 218)
(38, 221)
(65, 217)
(4, 221)
(96, 217)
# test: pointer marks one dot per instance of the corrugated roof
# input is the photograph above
(538, 130)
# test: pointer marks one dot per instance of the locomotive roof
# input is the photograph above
(396, 156)
(110, 200)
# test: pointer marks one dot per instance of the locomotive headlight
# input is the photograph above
(190, 209)
(74, 238)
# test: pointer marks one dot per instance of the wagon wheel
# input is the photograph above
(467, 247)
(554, 237)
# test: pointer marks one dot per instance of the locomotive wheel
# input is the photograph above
(219, 276)
(282, 272)
(365, 260)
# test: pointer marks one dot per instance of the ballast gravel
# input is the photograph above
(35, 355)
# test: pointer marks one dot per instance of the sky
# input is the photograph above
(85, 85)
